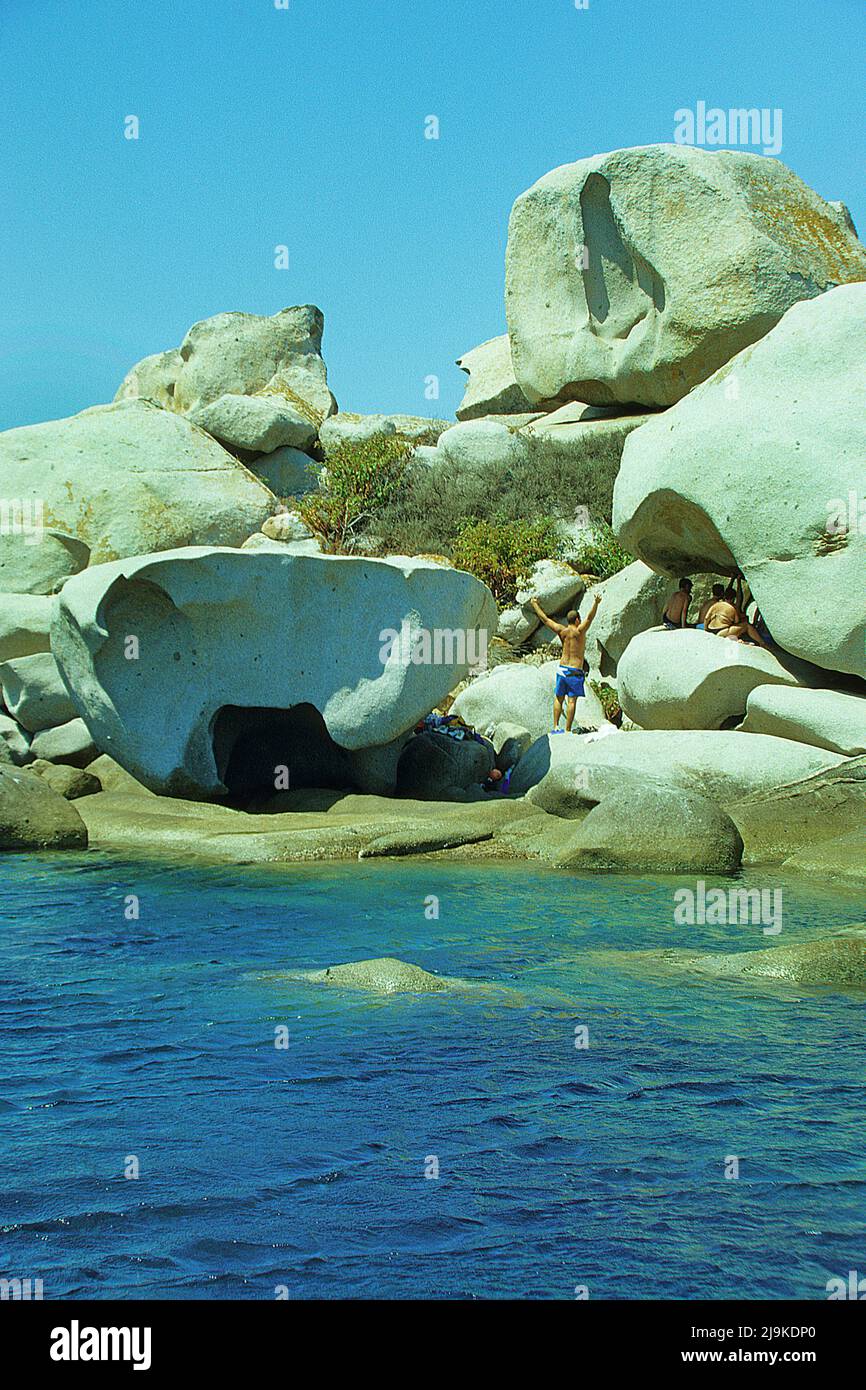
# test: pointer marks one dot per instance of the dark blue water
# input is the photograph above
(304, 1168)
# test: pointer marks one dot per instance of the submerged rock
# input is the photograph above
(230, 683)
(385, 975)
(838, 960)
(631, 276)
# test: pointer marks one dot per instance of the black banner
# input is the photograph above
(225, 1338)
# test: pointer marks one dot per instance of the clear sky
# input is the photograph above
(305, 127)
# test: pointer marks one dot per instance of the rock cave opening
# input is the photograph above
(260, 750)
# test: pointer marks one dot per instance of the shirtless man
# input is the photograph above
(570, 675)
(677, 609)
(726, 619)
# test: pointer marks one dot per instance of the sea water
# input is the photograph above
(576, 1120)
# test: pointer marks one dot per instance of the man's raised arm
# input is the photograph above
(548, 622)
(584, 626)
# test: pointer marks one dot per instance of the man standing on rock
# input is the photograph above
(571, 673)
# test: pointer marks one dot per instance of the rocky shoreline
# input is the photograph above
(207, 648)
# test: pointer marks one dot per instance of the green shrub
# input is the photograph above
(355, 482)
(601, 553)
(502, 555)
(433, 504)
(609, 701)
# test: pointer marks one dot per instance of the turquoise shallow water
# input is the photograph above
(304, 1167)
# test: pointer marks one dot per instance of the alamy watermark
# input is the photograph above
(756, 127)
(20, 1290)
(729, 907)
(846, 515)
(441, 646)
(23, 516)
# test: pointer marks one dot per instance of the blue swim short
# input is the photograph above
(569, 681)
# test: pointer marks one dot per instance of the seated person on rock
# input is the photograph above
(726, 619)
(718, 592)
(571, 673)
(676, 614)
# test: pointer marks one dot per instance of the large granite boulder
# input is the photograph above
(837, 856)
(556, 586)
(432, 764)
(286, 472)
(25, 622)
(522, 694)
(14, 742)
(228, 673)
(70, 782)
(779, 822)
(632, 276)
(755, 468)
(240, 354)
(153, 379)
(255, 424)
(346, 427)
(692, 680)
(557, 771)
(120, 479)
(491, 388)
(65, 743)
(631, 601)
(35, 816)
(480, 445)
(34, 693)
(593, 434)
(553, 584)
(647, 825)
(825, 718)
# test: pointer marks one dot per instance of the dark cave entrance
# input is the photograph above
(252, 745)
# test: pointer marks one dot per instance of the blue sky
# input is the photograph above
(304, 127)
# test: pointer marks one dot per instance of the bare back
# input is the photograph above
(573, 638)
(721, 616)
(677, 605)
